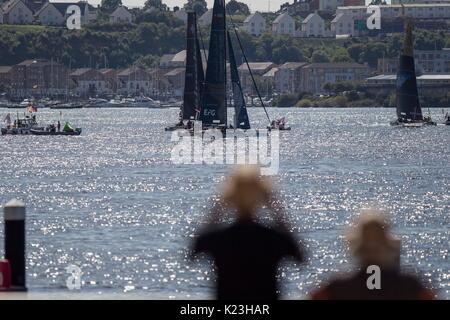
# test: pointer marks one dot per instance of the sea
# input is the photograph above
(112, 204)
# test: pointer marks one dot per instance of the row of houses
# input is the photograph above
(427, 62)
(54, 13)
(347, 20)
(41, 77)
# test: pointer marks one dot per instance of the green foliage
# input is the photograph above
(320, 56)
(110, 5)
(236, 7)
(287, 100)
(158, 32)
(156, 4)
(304, 103)
(199, 6)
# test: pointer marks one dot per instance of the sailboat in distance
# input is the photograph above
(409, 112)
(241, 120)
(213, 112)
(194, 77)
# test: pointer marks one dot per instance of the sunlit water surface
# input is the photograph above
(112, 202)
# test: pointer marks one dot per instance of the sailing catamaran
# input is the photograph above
(409, 112)
(194, 77)
(205, 96)
(241, 120)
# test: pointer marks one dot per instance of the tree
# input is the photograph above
(156, 4)
(235, 7)
(319, 56)
(110, 5)
(199, 6)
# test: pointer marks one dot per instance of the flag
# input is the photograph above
(8, 119)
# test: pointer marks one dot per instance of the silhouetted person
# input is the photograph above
(246, 253)
(372, 245)
(59, 126)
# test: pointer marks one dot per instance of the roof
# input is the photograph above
(250, 17)
(261, 66)
(310, 16)
(292, 65)
(175, 72)
(5, 69)
(166, 58)
(107, 71)
(80, 71)
(129, 71)
(332, 65)
(406, 5)
(393, 77)
(36, 62)
(271, 72)
(281, 17)
(62, 6)
(337, 18)
(8, 6)
(120, 8)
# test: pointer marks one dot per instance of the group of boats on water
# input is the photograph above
(116, 102)
(205, 93)
(28, 125)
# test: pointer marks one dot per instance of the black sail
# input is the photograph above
(408, 106)
(241, 120)
(200, 76)
(214, 107)
(191, 99)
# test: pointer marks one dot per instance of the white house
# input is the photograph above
(88, 82)
(255, 24)
(342, 25)
(284, 24)
(181, 14)
(16, 12)
(49, 15)
(313, 26)
(55, 13)
(206, 18)
(121, 15)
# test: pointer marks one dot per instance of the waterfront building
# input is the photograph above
(314, 76)
(258, 70)
(135, 81)
(287, 78)
(428, 84)
(415, 11)
(427, 62)
(88, 82)
(38, 77)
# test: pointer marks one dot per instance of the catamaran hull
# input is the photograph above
(417, 124)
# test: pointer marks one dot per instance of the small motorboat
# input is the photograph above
(50, 132)
(279, 124)
(67, 106)
(21, 126)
